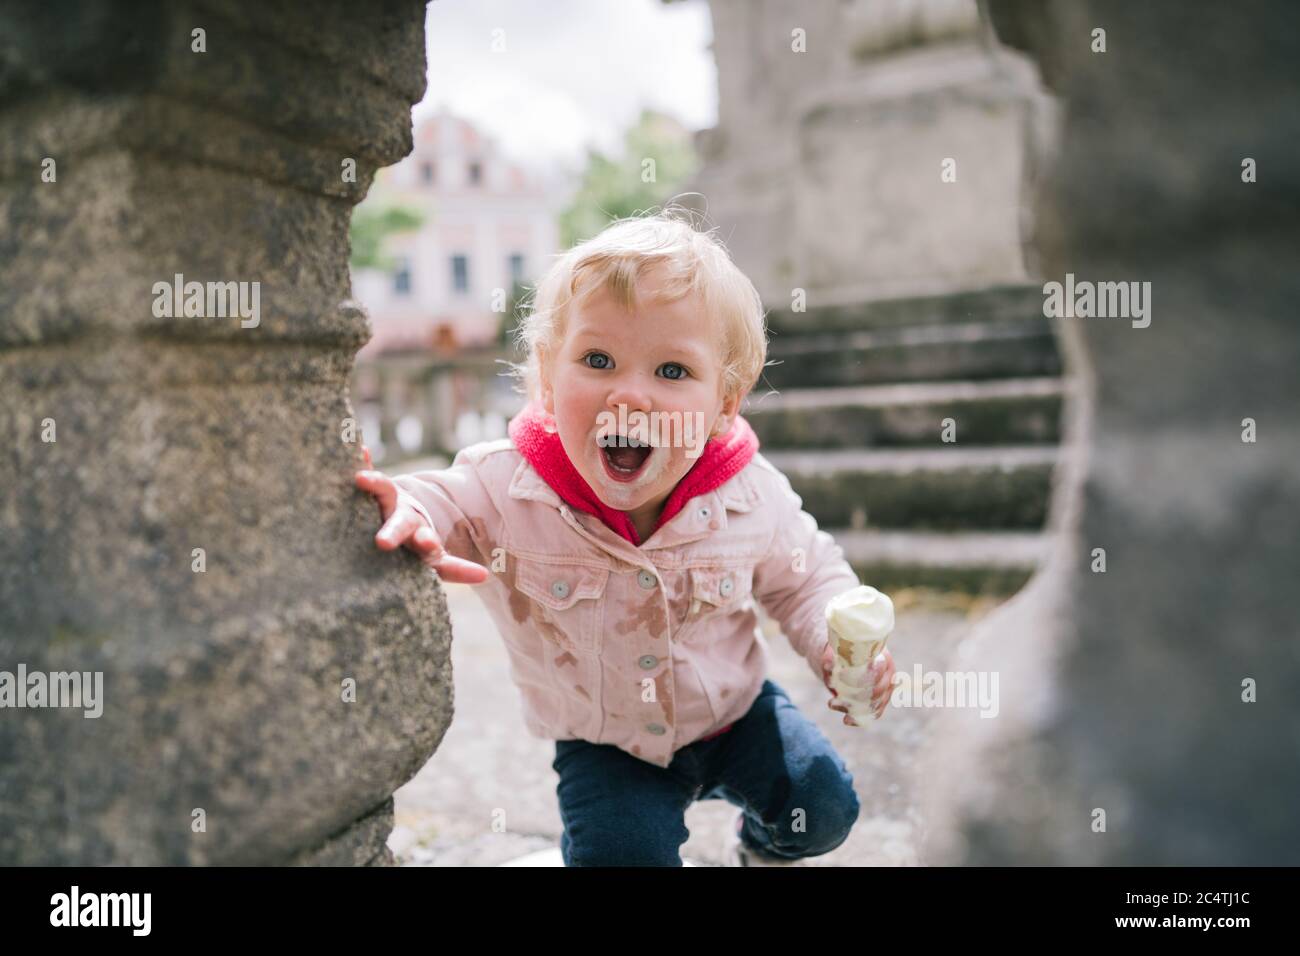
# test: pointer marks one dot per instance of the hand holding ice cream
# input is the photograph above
(856, 666)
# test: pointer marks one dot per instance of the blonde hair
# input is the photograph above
(615, 260)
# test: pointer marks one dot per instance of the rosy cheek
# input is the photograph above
(571, 415)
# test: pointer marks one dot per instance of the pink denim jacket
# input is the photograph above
(648, 648)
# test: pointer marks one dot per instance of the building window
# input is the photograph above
(460, 273)
(402, 277)
(475, 173)
(516, 267)
(426, 172)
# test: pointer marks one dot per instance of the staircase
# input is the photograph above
(856, 425)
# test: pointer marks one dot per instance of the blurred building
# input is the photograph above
(488, 224)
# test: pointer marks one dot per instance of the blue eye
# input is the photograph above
(600, 355)
(680, 368)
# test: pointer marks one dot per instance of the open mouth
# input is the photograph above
(624, 457)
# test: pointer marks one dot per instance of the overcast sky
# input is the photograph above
(574, 72)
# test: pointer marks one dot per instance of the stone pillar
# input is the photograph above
(870, 150)
(1130, 691)
(177, 508)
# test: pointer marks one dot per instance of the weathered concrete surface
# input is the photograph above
(999, 412)
(1123, 691)
(898, 418)
(940, 488)
(222, 688)
(835, 119)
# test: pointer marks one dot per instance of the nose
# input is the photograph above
(630, 390)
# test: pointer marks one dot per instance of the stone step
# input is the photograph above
(1001, 487)
(995, 302)
(995, 412)
(973, 562)
(1002, 348)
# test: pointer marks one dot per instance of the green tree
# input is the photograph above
(370, 225)
(614, 188)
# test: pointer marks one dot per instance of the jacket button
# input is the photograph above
(647, 661)
(656, 729)
(560, 589)
(646, 580)
(726, 587)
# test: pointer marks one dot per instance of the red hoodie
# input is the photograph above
(533, 434)
(722, 459)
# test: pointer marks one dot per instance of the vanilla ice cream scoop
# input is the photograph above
(858, 622)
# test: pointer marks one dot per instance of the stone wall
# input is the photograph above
(1150, 713)
(177, 509)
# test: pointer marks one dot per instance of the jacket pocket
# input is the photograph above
(572, 599)
(714, 593)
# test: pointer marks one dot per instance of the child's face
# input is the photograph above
(661, 359)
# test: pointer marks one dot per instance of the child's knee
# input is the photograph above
(826, 817)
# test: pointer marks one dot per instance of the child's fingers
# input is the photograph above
(884, 676)
(382, 487)
(884, 663)
(403, 523)
(839, 705)
(879, 704)
(883, 689)
(424, 541)
(460, 571)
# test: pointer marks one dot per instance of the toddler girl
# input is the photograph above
(622, 535)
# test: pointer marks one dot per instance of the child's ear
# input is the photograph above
(730, 407)
(548, 394)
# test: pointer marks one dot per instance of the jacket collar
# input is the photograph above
(737, 494)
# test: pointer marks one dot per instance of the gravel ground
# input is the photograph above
(488, 795)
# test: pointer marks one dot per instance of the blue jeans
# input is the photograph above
(796, 793)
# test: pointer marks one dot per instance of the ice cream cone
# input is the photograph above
(859, 623)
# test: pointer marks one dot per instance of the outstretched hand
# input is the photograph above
(404, 525)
